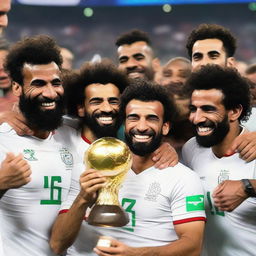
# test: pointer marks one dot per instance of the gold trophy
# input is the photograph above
(113, 159)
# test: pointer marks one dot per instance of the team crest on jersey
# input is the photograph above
(66, 157)
(153, 191)
(29, 154)
(224, 175)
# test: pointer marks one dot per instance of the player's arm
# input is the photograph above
(165, 156)
(16, 121)
(14, 172)
(189, 243)
(67, 225)
(231, 193)
(245, 145)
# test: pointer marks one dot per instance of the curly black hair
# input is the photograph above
(146, 91)
(235, 88)
(133, 36)
(103, 73)
(212, 31)
(36, 50)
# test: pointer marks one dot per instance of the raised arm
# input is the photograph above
(68, 223)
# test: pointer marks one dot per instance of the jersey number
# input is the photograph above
(128, 205)
(214, 210)
(55, 191)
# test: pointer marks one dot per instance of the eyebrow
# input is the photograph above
(214, 52)
(41, 81)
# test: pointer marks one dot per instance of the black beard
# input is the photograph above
(38, 119)
(143, 148)
(102, 130)
(220, 131)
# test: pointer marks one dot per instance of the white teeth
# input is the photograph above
(48, 104)
(109, 118)
(204, 129)
(141, 136)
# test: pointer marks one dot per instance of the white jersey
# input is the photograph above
(27, 213)
(155, 200)
(227, 233)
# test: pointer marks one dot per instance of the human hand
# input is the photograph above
(165, 156)
(116, 248)
(228, 195)
(14, 172)
(91, 181)
(245, 145)
(16, 121)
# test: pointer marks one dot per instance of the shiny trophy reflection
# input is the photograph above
(112, 158)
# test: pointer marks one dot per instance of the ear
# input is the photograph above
(80, 110)
(235, 113)
(166, 128)
(16, 89)
(231, 62)
(156, 64)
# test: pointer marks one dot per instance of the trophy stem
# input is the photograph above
(108, 216)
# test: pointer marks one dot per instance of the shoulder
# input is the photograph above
(191, 150)
(6, 129)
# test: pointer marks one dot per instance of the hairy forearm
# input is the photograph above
(67, 226)
(180, 247)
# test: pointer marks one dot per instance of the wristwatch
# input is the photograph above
(248, 188)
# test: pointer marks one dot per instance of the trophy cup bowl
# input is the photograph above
(113, 159)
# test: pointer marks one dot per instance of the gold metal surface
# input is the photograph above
(113, 159)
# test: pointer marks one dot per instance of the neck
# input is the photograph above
(141, 163)
(41, 134)
(221, 149)
(87, 132)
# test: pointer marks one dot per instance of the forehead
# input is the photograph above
(134, 48)
(208, 45)
(43, 72)
(101, 91)
(177, 65)
(207, 97)
(145, 108)
(5, 5)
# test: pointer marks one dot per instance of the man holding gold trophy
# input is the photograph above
(165, 207)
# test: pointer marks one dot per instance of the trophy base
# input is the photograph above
(108, 216)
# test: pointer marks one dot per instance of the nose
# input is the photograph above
(142, 125)
(3, 20)
(196, 117)
(131, 64)
(106, 107)
(49, 91)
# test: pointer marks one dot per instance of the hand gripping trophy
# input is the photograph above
(113, 159)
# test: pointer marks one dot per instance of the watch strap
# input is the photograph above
(248, 188)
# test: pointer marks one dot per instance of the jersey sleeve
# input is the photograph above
(187, 199)
(74, 188)
(188, 151)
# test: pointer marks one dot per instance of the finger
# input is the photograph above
(88, 171)
(18, 123)
(250, 157)
(248, 154)
(217, 190)
(18, 160)
(9, 157)
(92, 183)
(90, 177)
